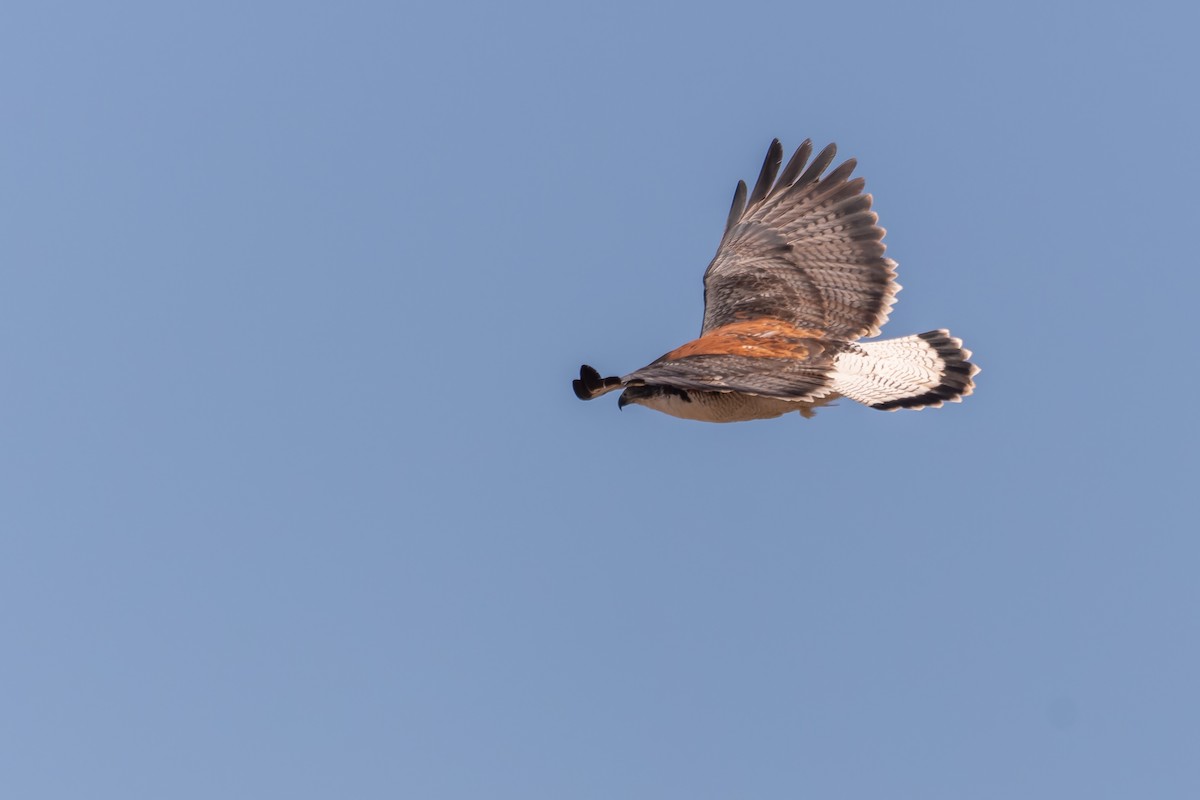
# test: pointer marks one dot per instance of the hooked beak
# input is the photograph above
(623, 401)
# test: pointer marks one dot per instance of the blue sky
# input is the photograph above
(296, 501)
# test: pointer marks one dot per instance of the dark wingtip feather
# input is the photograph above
(770, 168)
(842, 172)
(823, 160)
(795, 164)
(739, 206)
(580, 384)
(590, 385)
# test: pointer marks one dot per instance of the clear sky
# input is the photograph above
(296, 501)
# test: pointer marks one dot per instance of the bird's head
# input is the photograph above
(652, 396)
(635, 395)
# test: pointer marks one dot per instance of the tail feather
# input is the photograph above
(924, 370)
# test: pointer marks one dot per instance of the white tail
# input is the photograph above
(926, 369)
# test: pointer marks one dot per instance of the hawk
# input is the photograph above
(798, 279)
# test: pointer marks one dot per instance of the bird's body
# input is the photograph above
(799, 278)
(719, 406)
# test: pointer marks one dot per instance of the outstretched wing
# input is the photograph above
(802, 249)
(767, 377)
(764, 358)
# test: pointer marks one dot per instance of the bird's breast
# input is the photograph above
(723, 406)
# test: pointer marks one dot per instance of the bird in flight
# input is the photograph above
(799, 278)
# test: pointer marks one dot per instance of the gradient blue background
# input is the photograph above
(296, 500)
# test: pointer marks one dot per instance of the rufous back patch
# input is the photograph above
(758, 338)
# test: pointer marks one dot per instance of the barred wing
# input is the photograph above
(768, 377)
(802, 249)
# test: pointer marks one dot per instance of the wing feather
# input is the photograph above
(823, 160)
(766, 177)
(804, 249)
(739, 206)
(795, 164)
(767, 377)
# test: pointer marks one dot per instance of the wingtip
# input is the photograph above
(766, 177)
(591, 385)
(738, 207)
